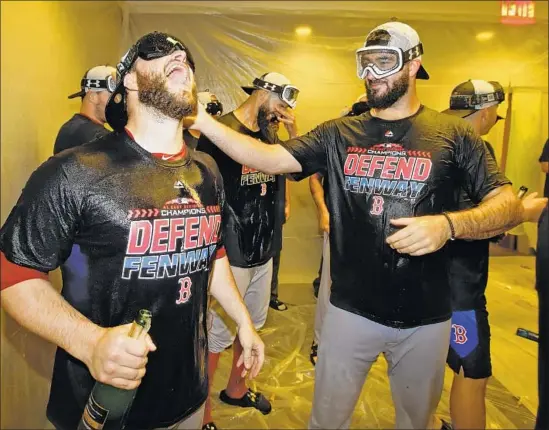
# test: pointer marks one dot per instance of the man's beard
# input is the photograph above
(393, 94)
(265, 118)
(153, 92)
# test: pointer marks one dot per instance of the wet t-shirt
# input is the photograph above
(469, 260)
(147, 232)
(78, 130)
(255, 202)
(379, 170)
(544, 158)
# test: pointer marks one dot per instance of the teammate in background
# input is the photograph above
(319, 189)
(152, 247)
(393, 178)
(477, 102)
(542, 285)
(96, 86)
(275, 303)
(213, 106)
(253, 229)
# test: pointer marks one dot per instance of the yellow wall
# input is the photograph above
(46, 47)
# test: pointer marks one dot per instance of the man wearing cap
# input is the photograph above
(95, 89)
(253, 230)
(213, 106)
(393, 177)
(477, 102)
(147, 215)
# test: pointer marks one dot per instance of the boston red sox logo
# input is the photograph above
(460, 334)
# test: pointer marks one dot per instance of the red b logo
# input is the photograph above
(460, 334)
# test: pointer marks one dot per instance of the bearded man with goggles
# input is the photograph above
(124, 199)
(394, 174)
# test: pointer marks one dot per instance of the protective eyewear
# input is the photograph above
(385, 61)
(287, 93)
(152, 46)
(109, 83)
(476, 101)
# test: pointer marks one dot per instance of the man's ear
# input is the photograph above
(130, 81)
(413, 67)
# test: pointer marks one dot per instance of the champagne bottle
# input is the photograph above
(108, 406)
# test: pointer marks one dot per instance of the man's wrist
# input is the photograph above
(450, 226)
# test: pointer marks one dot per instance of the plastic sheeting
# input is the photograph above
(233, 44)
(287, 377)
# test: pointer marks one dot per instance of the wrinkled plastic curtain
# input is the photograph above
(231, 48)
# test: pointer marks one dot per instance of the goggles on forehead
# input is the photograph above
(153, 46)
(109, 83)
(287, 93)
(384, 61)
(476, 101)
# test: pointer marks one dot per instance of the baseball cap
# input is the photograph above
(149, 47)
(392, 35)
(277, 83)
(98, 78)
(474, 95)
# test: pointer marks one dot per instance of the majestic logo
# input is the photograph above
(460, 334)
(178, 184)
(389, 133)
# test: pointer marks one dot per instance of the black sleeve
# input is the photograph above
(545, 153)
(40, 229)
(205, 145)
(310, 150)
(542, 253)
(491, 150)
(480, 171)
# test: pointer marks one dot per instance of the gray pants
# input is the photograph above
(254, 284)
(350, 344)
(323, 299)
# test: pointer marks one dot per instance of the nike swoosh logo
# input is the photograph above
(164, 158)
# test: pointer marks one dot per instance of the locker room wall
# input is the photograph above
(46, 47)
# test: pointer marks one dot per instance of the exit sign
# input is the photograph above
(518, 12)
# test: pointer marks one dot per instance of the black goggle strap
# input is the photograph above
(278, 89)
(473, 101)
(412, 53)
(260, 83)
(108, 83)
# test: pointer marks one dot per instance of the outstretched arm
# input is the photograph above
(271, 159)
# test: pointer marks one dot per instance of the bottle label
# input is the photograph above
(94, 416)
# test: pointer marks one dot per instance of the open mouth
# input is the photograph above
(175, 69)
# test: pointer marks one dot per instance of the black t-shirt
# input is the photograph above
(378, 170)
(255, 202)
(545, 158)
(469, 260)
(148, 232)
(542, 255)
(189, 139)
(77, 131)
